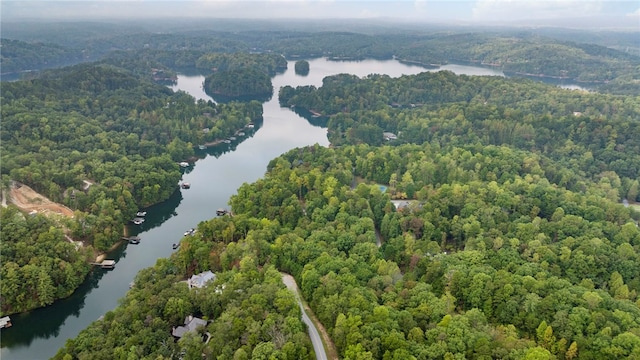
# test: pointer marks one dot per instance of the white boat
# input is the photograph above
(138, 220)
(184, 164)
(5, 322)
(141, 214)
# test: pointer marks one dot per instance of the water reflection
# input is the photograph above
(222, 148)
(227, 99)
(313, 119)
(39, 334)
(157, 214)
(52, 318)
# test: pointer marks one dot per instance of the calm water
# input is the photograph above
(40, 333)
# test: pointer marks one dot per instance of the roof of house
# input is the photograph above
(191, 324)
(389, 135)
(201, 279)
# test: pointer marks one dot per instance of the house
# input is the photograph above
(389, 136)
(200, 280)
(400, 204)
(191, 324)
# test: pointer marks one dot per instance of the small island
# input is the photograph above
(302, 67)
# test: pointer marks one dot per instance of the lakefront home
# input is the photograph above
(191, 324)
(200, 280)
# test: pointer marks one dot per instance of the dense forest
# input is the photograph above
(488, 259)
(239, 74)
(588, 134)
(248, 82)
(269, 64)
(452, 217)
(302, 67)
(20, 56)
(104, 141)
(562, 54)
(39, 265)
(251, 315)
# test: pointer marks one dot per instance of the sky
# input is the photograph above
(574, 13)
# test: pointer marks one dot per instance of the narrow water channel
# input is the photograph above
(40, 333)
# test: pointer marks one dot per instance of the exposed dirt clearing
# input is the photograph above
(26, 199)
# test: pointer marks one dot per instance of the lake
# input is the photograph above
(40, 333)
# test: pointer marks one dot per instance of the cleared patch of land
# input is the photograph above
(28, 200)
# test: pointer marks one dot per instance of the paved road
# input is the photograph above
(316, 340)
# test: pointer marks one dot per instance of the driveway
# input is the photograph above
(316, 340)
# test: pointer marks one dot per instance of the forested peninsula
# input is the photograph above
(105, 141)
(607, 61)
(588, 134)
(488, 259)
(452, 217)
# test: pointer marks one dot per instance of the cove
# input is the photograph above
(214, 178)
(40, 333)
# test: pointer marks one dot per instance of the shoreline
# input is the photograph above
(102, 255)
(220, 141)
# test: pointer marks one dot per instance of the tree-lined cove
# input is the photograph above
(214, 179)
(505, 237)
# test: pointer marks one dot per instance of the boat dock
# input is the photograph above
(221, 212)
(132, 239)
(106, 264)
(5, 322)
